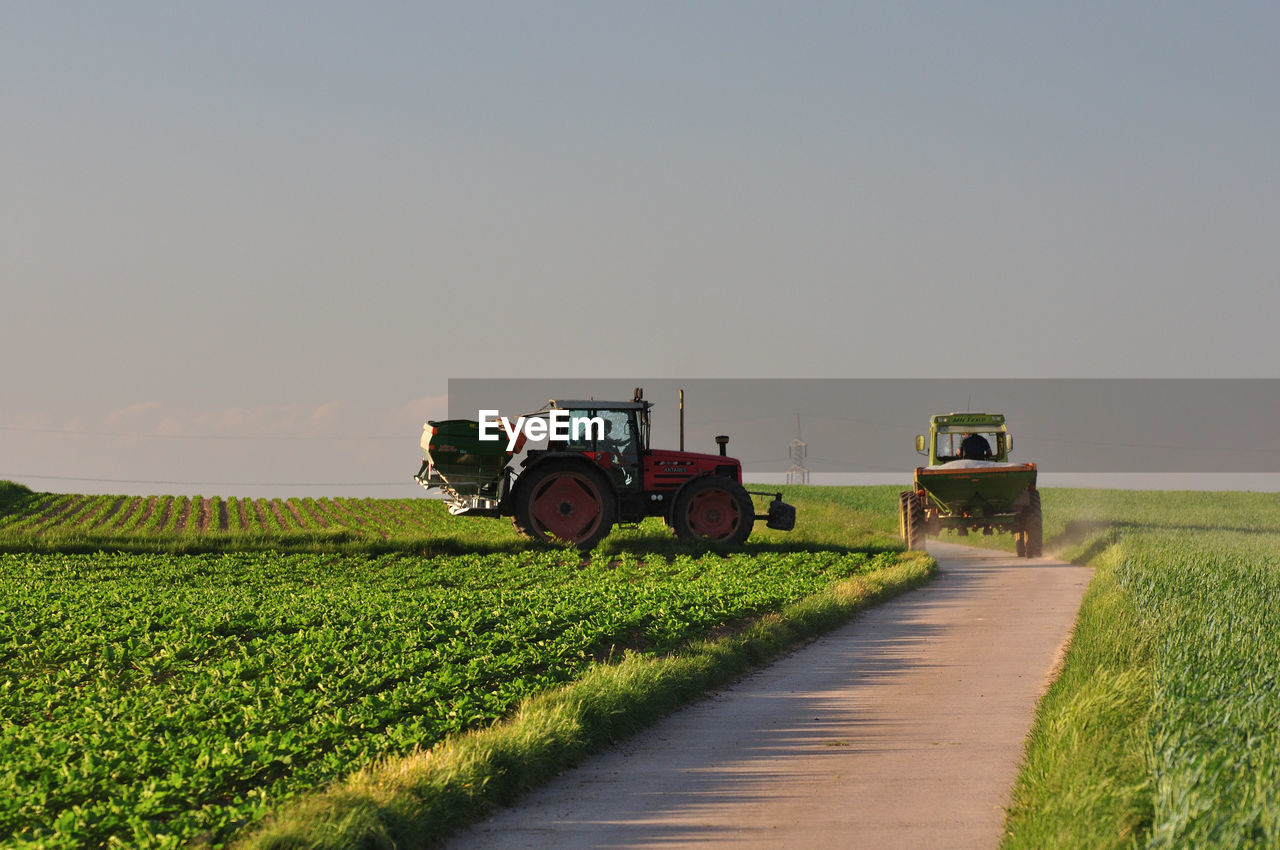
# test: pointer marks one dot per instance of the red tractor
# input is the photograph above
(597, 470)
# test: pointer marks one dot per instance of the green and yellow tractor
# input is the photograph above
(970, 485)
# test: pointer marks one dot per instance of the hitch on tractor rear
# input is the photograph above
(781, 516)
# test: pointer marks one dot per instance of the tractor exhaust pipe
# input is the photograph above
(722, 441)
(682, 420)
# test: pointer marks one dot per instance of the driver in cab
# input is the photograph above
(975, 447)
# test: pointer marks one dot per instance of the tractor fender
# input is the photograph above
(532, 463)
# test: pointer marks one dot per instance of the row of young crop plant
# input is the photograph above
(52, 514)
(66, 522)
(55, 512)
(149, 699)
(387, 520)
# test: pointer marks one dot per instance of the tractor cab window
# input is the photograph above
(980, 445)
(582, 434)
(619, 434)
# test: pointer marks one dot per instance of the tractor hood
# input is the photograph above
(669, 469)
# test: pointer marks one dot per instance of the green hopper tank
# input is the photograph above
(453, 450)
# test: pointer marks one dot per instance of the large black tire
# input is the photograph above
(1033, 526)
(713, 509)
(913, 522)
(902, 514)
(564, 501)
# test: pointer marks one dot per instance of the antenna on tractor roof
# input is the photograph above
(682, 420)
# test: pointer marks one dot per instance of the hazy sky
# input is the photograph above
(247, 244)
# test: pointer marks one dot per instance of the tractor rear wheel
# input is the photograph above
(914, 521)
(713, 509)
(1033, 527)
(902, 514)
(565, 502)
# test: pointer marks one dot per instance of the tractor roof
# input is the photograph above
(969, 421)
(595, 404)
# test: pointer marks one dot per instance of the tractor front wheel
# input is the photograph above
(713, 509)
(565, 502)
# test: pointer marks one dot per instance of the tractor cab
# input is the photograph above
(966, 436)
(615, 434)
(970, 484)
(602, 425)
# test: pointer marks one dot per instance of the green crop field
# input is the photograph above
(61, 522)
(230, 658)
(152, 699)
(1164, 728)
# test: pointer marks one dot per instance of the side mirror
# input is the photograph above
(920, 443)
(1008, 443)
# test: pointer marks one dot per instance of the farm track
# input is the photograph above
(903, 729)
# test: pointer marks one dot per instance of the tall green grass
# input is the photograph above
(1211, 602)
(1086, 780)
(1163, 730)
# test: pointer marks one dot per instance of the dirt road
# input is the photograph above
(902, 729)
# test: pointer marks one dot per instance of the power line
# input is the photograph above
(13, 475)
(848, 464)
(1164, 446)
(73, 433)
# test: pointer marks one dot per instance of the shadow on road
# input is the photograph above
(879, 694)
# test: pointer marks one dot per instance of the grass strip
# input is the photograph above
(1086, 779)
(1161, 730)
(417, 800)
